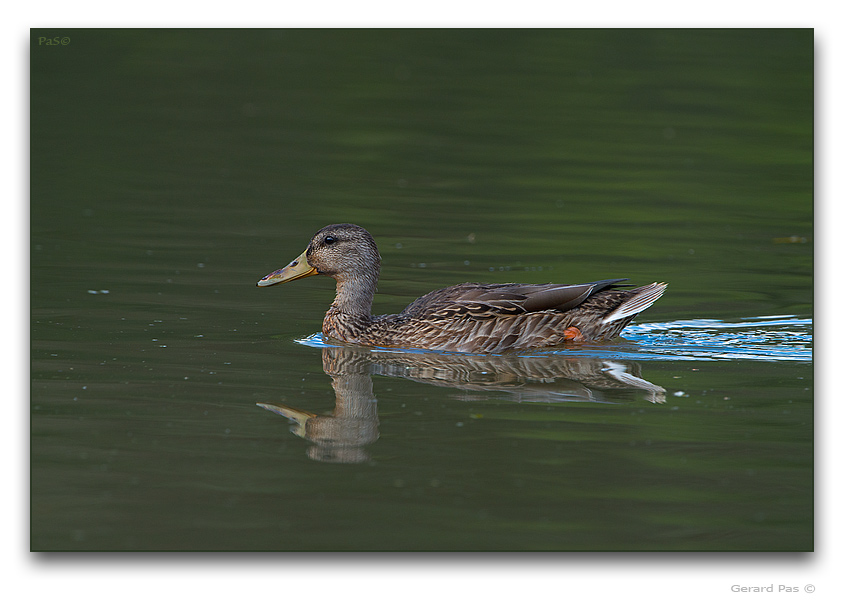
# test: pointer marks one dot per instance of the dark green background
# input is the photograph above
(174, 168)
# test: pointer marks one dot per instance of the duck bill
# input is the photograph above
(297, 269)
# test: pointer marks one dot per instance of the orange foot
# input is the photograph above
(573, 334)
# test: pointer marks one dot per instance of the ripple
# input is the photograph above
(767, 338)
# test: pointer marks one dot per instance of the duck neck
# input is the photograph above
(354, 297)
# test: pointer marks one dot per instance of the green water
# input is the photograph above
(171, 169)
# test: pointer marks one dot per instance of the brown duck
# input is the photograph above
(468, 317)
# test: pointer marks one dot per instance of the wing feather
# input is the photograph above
(486, 301)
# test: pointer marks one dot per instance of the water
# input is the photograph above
(774, 338)
(175, 406)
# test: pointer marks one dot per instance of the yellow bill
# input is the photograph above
(295, 270)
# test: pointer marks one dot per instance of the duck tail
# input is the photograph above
(643, 297)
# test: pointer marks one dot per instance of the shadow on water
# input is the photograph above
(353, 424)
(603, 373)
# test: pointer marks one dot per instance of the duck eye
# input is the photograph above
(329, 240)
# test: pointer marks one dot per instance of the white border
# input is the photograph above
(527, 576)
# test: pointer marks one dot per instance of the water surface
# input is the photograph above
(175, 406)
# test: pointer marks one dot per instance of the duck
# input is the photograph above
(478, 318)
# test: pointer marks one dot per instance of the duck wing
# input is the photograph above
(486, 301)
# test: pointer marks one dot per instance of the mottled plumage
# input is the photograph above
(469, 317)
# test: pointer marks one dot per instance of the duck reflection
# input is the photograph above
(343, 434)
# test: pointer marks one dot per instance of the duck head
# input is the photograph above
(342, 251)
